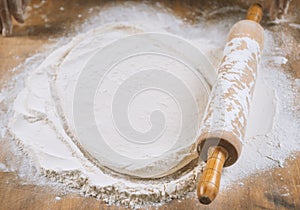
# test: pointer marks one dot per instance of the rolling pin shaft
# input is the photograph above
(221, 147)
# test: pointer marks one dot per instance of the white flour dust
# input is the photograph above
(41, 119)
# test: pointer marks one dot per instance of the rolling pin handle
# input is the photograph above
(208, 186)
(255, 13)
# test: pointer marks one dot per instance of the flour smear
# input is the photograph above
(37, 114)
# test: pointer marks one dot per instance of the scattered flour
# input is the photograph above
(40, 117)
(297, 26)
(3, 168)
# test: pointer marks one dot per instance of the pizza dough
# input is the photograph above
(135, 104)
(131, 102)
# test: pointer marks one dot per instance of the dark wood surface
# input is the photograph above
(278, 188)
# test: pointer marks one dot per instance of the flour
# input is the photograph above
(42, 122)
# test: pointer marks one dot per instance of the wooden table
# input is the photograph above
(278, 188)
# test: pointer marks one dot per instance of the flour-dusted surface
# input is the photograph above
(268, 141)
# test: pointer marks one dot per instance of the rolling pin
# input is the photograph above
(225, 118)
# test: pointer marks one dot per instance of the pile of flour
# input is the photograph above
(40, 117)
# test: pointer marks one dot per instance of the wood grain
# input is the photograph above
(278, 188)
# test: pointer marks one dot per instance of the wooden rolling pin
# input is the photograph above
(225, 118)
